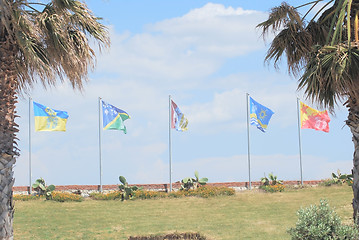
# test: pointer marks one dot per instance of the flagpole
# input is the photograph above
(170, 141)
(99, 140)
(300, 142)
(249, 155)
(30, 172)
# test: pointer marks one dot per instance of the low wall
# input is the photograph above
(85, 190)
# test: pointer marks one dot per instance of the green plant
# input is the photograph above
(340, 178)
(193, 183)
(127, 191)
(66, 197)
(272, 184)
(42, 189)
(273, 188)
(106, 196)
(21, 197)
(271, 180)
(321, 222)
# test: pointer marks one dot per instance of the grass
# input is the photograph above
(247, 215)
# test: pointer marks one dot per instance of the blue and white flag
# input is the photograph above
(259, 115)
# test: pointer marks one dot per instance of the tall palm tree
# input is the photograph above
(40, 42)
(323, 51)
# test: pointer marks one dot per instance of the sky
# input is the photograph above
(207, 55)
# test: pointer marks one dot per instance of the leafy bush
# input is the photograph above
(21, 197)
(126, 190)
(273, 188)
(145, 194)
(338, 179)
(66, 197)
(271, 184)
(106, 196)
(42, 189)
(204, 192)
(321, 222)
(271, 180)
(193, 183)
(326, 182)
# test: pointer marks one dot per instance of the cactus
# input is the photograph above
(42, 189)
(340, 178)
(193, 183)
(126, 191)
(271, 180)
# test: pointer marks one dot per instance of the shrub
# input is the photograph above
(271, 184)
(42, 189)
(145, 194)
(326, 182)
(106, 196)
(21, 197)
(321, 222)
(193, 183)
(273, 188)
(338, 179)
(204, 192)
(66, 197)
(127, 192)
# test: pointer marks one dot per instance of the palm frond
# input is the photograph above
(330, 75)
(53, 42)
(279, 17)
(295, 43)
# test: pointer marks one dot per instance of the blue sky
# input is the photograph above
(207, 55)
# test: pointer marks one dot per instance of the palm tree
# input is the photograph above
(323, 52)
(40, 41)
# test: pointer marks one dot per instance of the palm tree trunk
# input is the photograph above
(353, 123)
(8, 129)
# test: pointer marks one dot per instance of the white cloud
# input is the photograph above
(185, 48)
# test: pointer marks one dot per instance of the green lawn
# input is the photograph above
(248, 215)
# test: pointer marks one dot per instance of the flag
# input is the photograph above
(178, 120)
(113, 117)
(313, 119)
(259, 115)
(48, 119)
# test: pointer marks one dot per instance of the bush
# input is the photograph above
(327, 182)
(66, 197)
(321, 222)
(204, 192)
(273, 188)
(106, 196)
(21, 197)
(145, 194)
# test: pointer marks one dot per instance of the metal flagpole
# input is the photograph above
(30, 173)
(249, 155)
(169, 140)
(99, 140)
(300, 142)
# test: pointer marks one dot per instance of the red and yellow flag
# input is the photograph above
(314, 119)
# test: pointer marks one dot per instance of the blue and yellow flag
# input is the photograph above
(113, 117)
(259, 115)
(48, 119)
